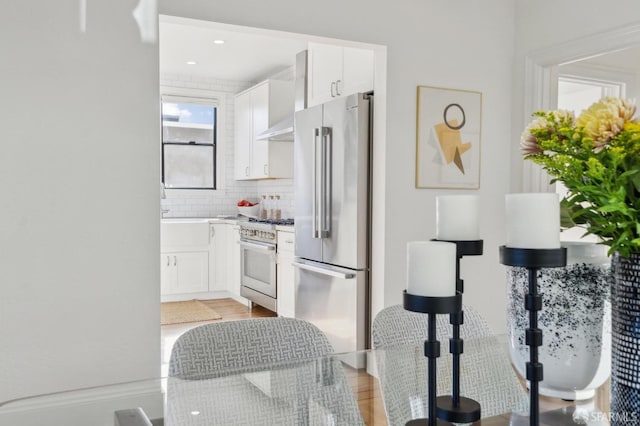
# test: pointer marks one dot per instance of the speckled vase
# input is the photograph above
(625, 369)
(575, 321)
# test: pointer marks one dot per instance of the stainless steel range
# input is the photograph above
(258, 261)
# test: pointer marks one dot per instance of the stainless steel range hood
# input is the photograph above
(283, 130)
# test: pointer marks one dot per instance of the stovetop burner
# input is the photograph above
(272, 221)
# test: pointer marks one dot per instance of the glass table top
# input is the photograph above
(370, 387)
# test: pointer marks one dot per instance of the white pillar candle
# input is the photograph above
(431, 268)
(457, 218)
(533, 220)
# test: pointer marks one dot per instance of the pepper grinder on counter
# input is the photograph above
(277, 212)
(264, 211)
(267, 206)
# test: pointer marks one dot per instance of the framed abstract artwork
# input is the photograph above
(448, 130)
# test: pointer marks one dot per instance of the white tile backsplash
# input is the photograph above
(206, 203)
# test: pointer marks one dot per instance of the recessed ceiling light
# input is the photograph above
(218, 41)
(195, 413)
(191, 62)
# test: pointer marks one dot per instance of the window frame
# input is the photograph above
(204, 97)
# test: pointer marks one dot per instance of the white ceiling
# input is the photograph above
(247, 54)
(251, 54)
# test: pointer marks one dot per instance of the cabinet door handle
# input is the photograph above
(213, 232)
(175, 260)
(265, 169)
(246, 171)
(338, 87)
(167, 260)
(333, 89)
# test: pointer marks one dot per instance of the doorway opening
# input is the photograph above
(202, 59)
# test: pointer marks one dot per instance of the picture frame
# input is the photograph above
(448, 138)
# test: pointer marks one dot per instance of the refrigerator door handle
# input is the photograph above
(325, 185)
(314, 186)
(325, 271)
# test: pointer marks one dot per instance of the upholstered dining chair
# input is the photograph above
(274, 371)
(486, 374)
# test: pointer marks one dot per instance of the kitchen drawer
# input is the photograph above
(285, 242)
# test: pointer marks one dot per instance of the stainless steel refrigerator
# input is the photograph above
(332, 204)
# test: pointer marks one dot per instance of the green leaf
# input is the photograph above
(566, 221)
(613, 207)
(635, 179)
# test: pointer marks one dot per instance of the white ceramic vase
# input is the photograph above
(575, 321)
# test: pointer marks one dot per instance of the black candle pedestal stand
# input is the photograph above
(533, 260)
(455, 408)
(431, 306)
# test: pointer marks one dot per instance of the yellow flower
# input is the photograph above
(632, 126)
(605, 119)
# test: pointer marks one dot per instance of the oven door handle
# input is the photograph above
(333, 272)
(257, 246)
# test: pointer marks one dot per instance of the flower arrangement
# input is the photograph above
(597, 157)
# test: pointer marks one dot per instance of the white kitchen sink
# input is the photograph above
(186, 220)
(184, 233)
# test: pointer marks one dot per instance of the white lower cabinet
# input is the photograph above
(184, 272)
(191, 266)
(224, 258)
(285, 275)
(217, 256)
(233, 266)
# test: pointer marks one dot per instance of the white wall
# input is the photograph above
(79, 228)
(465, 45)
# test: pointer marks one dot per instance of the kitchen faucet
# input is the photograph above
(163, 196)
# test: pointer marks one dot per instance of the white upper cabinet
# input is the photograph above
(257, 109)
(243, 135)
(335, 71)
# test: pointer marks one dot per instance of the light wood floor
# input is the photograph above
(364, 386)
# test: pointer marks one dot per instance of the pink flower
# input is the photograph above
(549, 122)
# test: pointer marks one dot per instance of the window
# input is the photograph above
(188, 143)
